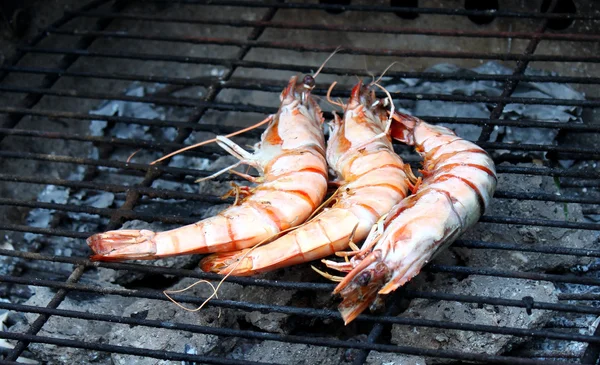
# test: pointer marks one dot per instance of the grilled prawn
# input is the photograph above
(372, 180)
(459, 181)
(291, 160)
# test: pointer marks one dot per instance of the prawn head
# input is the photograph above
(360, 288)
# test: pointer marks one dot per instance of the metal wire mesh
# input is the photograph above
(111, 33)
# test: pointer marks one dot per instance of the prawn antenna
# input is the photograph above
(267, 120)
(341, 105)
(328, 58)
(374, 82)
(367, 70)
(133, 154)
(216, 289)
(392, 108)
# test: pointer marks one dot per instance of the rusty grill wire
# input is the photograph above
(100, 14)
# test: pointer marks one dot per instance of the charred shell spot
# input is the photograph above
(378, 304)
(363, 278)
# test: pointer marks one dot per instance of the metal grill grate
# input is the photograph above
(95, 53)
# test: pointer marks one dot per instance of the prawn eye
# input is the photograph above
(309, 82)
(364, 278)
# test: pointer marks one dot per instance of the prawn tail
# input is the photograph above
(125, 244)
(235, 263)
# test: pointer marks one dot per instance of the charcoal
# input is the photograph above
(169, 339)
(69, 328)
(379, 358)
(530, 235)
(292, 353)
(271, 321)
(550, 113)
(472, 313)
(126, 109)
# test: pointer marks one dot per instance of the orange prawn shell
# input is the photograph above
(290, 157)
(372, 180)
(459, 181)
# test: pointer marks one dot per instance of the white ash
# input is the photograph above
(78, 222)
(69, 328)
(169, 339)
(291, 353)
(8, 265)
(551, 113)
(270, 322)
(571, 322)
(386, 358)
(190, 162)
(451, 311)
(41, 217)
(7, 320)
(530, 235)
(99, 200)
(584, 324)
(166, 339)
(204, 164)
(214, 210)
(207, 187)
(126, 109)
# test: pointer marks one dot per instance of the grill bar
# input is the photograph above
(39, 322)
(500, 194)
(557, 250)
(306, 285)
(190, 328)
(434, 268)
(216, 200)
(67, 60)
(345, 28)
(317, 342)
(519, 170)
(158, 354)
(387, 9)
(167, 194)
(113, 188)
(249, 83)
(309, 312)
(107, 163)
(135, 195)
(525, 123)
(511, 86)
(299, 48)
(207, 151)
(178, 171)
(192, 103)
(540, 222)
